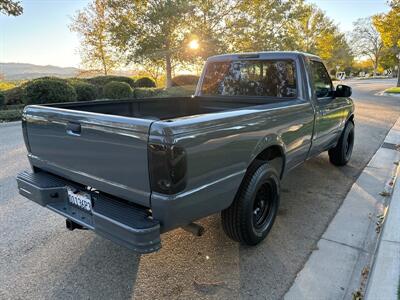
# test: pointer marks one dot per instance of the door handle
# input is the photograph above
(74, 129)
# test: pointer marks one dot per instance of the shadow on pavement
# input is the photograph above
(103, 271)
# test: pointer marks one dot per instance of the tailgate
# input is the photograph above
(106, 152)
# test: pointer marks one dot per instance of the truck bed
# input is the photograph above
(158, 108)
(75, 140)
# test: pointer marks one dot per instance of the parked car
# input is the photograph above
(133, 169)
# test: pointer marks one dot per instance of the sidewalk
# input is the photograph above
(339, 266)
(385, 276)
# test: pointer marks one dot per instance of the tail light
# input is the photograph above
(25, 133)
(167, 168)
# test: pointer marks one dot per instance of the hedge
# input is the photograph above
(84, 91)
(117, 90)
(49, 90)
(15, 96)
(181, 80)
(181, 91)
(2, 99)
(10, 115)
(147, 92)
(103, 80)
(145, 82)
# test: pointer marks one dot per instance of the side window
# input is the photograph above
(260, 78)
(321, 79)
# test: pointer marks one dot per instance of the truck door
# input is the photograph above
(328, 112)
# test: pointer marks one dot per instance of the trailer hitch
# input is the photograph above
(71, 225)
(194, 229)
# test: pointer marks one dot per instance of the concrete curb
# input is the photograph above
(9, 124)
(339, 266)
(385, 275)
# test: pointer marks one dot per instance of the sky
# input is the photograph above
(41, 35)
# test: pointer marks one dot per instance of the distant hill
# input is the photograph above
(20, 71)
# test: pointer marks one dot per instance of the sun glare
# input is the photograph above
(194, 44)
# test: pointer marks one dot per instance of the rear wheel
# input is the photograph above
(251, 216)
(341, 154)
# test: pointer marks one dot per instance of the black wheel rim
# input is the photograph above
(264, 206)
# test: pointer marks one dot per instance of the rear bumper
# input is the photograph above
(123, 223)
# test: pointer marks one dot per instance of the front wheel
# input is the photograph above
(251, 216)
(341, 154)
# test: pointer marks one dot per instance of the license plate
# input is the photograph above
(80, 199)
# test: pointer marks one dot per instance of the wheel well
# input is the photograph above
(273, 154)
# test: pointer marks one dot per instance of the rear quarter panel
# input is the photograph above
(220, 147)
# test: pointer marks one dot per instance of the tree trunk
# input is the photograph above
(398, 74)
(168, 69)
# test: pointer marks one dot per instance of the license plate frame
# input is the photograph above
(80, 199)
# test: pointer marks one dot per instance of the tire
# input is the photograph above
(251, 215)
(341, 154)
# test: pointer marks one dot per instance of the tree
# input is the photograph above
(92, 25)
(150, 30)
(366, 41)
(313, 32)
(212, 23)
(388, 26)
(11, 8)
(261, 25)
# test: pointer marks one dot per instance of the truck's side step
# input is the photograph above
(127, 224)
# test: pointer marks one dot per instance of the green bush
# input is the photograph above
(145, 82)
(181, 80)
(2, 99)
(84, 91)
(147, 92)
(178, 91)
(103, 80)
(10, 115)
(49, 90)
(117, 90)
(15, 96)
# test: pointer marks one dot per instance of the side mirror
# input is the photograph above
(343, 91)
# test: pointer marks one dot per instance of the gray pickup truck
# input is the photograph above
(133, 169)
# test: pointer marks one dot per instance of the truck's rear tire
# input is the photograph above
(341, 154)
(251, 216)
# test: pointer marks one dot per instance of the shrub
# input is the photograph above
(145, 82)
(117, 90)
(181, 80)
(15, 96)
(10, 115)
(84, 91)
(178, 91)
(2, 99)
(103, 80)
(4, 86)
(147, 92)
(49, 90)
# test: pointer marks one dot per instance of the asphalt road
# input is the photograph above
(40, 259)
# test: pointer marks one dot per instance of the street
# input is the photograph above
(41, 259)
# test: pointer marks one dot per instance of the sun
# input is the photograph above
(194, 44)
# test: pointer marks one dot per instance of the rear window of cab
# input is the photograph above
(257, 78)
